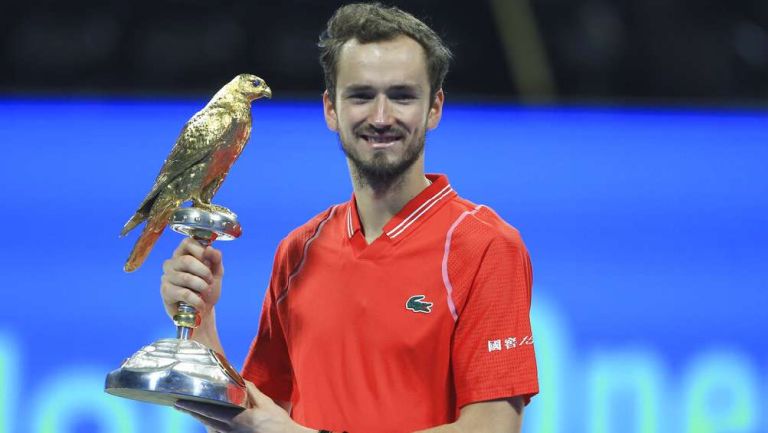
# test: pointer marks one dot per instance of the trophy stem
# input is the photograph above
(185, 332)
(187, 318)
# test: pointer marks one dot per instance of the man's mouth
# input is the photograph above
(381, 141)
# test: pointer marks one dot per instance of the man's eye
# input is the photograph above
(402, 97)
(359, 97)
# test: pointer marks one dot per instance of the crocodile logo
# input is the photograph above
(416, 304)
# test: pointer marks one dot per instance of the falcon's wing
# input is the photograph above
(197, 140)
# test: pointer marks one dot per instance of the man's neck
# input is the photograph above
(376, 208)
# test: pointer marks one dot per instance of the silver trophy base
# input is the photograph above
(172, 369)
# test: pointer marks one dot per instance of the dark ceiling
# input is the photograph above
(556, 50)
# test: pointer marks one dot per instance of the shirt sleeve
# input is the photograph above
(268, 365)
(493, 353)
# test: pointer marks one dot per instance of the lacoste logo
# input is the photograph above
(416, 304)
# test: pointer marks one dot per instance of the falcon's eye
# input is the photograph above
(256, 82)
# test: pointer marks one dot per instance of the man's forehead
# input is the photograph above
(400, 59)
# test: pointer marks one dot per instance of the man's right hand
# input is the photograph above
(192, 275)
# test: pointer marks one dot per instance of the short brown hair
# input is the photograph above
(373, 22)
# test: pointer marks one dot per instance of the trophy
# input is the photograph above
(179, 368)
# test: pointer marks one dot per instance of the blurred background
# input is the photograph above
(626, 140)
(677, 51)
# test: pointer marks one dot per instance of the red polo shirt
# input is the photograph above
(397, 335)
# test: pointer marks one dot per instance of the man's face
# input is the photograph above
(382, 108)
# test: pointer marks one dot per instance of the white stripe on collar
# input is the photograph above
(349, 220)
(416, 214)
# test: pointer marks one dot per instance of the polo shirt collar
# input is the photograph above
(416, 209)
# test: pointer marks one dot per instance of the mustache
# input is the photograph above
(373, 131)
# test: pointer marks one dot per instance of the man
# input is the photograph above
(404, 309)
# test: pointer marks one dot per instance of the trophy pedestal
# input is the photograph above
(172, 369)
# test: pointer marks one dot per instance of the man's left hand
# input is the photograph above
(262, 416)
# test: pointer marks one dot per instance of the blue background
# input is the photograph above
(647, 230)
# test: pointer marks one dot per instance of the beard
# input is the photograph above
(379, 172)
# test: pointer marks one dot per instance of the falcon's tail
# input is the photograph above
(144, 212)
(159, 214)
(142, 248)
(135, 220)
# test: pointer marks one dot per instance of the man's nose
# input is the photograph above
(382, 112)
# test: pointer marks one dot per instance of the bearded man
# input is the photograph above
(407, 307)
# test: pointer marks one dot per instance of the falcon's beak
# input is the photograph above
(267, 92)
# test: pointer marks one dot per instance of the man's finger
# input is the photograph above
(213, 259)
(216, 425)
(191, 265)
(188, 281)
(191, 247)
(256, 397)
(221, 414)
(191, 298)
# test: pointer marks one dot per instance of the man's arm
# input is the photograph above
(266, 416)
(286, 405)
(263, 415)
(496, 416)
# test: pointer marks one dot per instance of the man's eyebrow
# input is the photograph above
(405, 88)
(356, 88)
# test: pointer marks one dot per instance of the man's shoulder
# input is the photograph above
(480, 225)
(482, 246)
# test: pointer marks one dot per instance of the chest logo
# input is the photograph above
(417, 305)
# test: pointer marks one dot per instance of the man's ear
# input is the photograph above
(435, 110)
(330, 112)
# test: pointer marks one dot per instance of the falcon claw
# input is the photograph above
(214, 208)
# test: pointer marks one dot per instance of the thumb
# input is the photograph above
(213, 259)
(256, 398)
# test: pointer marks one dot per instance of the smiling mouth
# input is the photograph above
(381, 141)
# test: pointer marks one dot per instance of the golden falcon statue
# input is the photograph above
(208, 145)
